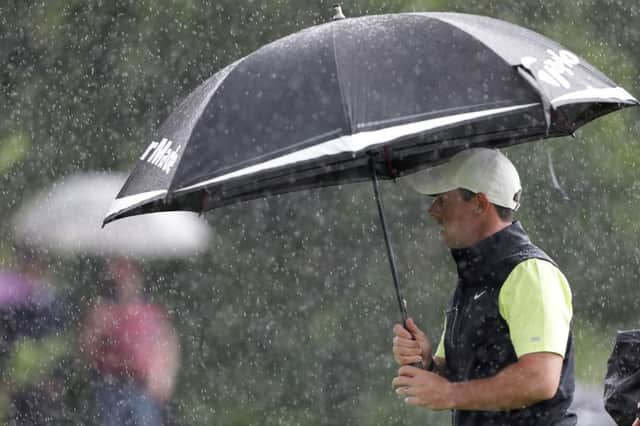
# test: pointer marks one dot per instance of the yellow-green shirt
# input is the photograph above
(535, 302)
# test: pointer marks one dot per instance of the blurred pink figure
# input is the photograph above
(134, 348)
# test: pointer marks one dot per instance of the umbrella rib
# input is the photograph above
(203, 105)
(423, 116)
(345, 106)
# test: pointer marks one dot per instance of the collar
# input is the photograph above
(475, 262)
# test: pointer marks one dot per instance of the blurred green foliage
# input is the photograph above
(287, 318)
(13, 148)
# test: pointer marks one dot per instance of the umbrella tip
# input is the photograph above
(337, 12)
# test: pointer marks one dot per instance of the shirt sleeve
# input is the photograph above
(440, 350)
(535, 301)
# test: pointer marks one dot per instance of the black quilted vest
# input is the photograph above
(477, 342)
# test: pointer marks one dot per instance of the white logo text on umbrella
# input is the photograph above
(161, 155)
(556, 66)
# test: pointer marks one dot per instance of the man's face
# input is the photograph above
(456, 217)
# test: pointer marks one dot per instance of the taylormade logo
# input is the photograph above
(161, 154)
(556, 67)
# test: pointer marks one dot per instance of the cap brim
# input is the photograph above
(432, 181)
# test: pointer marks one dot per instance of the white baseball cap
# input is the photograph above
(477, 170)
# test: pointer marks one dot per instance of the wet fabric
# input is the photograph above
(622, 381)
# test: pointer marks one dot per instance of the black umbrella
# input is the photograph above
(357, 99)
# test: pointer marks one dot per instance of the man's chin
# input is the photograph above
(451, 244)
(445, 239)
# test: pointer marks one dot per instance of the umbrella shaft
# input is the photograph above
(392, 259)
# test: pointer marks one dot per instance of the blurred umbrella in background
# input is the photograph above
(28, 308)
(15, 289)
(67, 218)
(357, 99)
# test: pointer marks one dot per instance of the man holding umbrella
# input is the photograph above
(506, 353)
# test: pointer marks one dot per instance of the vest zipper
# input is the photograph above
(453, 312)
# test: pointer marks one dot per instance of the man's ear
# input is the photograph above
(482, 203)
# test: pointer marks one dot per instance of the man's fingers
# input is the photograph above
(408, 349)
(405, 391)
(411, 325)
(404, 352)
(402, 390)
(400, 381)
(408, 360)
(411, 400)
(408, 355)
(409, 371)
(413, 360)
(400, 342)
(414, 330)
(400, 331)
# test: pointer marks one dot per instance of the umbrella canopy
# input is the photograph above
(66, 218)
(404, 91)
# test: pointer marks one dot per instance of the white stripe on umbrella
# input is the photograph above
(120, 204)
(591, 95)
